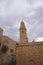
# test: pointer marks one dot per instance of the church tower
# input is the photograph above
(23, 34)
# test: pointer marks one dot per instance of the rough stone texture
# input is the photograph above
(31, 54)
(6, 41)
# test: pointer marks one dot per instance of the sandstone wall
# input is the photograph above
(5, 57)
(31, 54)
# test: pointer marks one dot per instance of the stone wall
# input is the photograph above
(31, 54)
(7, 55)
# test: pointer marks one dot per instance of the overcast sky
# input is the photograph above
(12, 12)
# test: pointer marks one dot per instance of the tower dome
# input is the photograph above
(22, 25)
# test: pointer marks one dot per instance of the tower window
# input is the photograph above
(22, 31)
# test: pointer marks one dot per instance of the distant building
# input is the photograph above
(22, 53)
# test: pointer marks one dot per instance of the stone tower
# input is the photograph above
(23, 34)
(1, 32)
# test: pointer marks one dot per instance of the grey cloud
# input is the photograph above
(16, 10)
(36, 24)
(31, 1)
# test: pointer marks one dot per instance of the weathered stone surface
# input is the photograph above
(30, 54)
